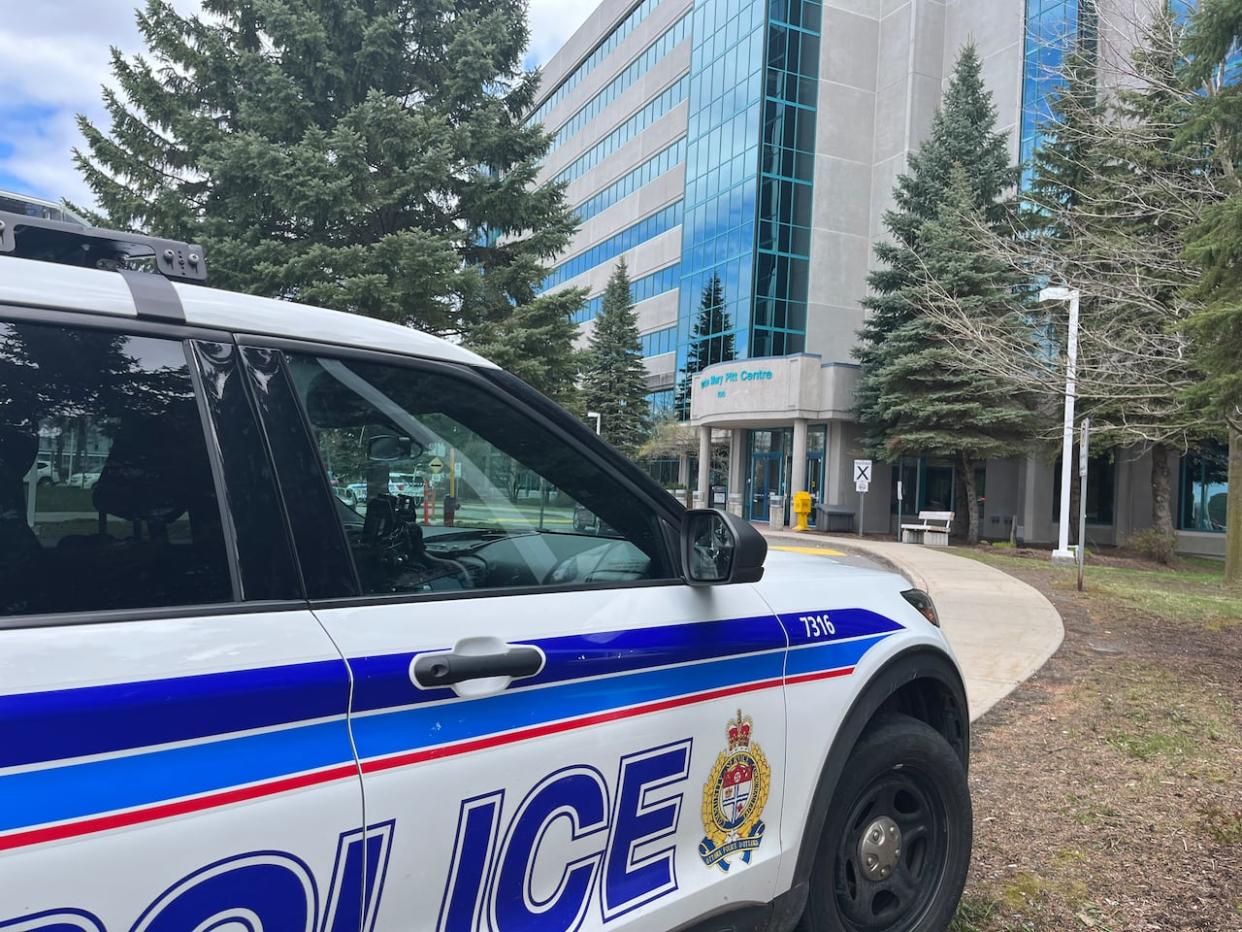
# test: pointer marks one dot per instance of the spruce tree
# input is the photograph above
(963, 133)
(1216, 245)
(613, 374)
(364, 155)
(932, 403)
(1104, 219)
(711, 342)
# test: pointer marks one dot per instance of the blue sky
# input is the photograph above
(56, 53)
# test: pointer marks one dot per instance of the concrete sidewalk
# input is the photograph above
(1001, 629)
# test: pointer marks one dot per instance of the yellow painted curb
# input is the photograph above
(813, 551)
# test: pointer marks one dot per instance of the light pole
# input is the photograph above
(1063, 554)
(595, 416)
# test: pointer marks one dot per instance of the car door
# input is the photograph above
(175, 750)
(556, 731)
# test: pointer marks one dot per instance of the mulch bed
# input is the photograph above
(1108, 788)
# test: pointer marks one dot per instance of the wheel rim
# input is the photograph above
(891, 858)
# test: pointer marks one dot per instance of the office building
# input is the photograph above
(740, 155)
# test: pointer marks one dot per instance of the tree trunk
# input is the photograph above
(1161, 502)
(972, 500)
(1233, 512)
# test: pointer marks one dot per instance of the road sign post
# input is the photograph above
(1082, 498)
(899, 500)
(862, 482)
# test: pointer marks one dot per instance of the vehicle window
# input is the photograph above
(442, 485)
(106, 492)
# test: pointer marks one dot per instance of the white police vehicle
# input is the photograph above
(230, 702)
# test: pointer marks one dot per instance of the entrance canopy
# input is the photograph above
(780, 389)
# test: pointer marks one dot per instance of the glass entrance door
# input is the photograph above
(766, 478)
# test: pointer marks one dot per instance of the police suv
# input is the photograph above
(232, 702)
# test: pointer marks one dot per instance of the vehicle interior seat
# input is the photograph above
(151, 479)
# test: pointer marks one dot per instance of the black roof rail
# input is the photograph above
(93, 248)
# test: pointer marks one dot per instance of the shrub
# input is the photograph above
(1154, 545)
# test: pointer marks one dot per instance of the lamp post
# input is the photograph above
(595, 416)
(1063, 554)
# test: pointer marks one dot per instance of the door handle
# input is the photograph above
(447, 669)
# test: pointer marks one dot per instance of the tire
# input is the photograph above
(44, 482)
(904, 771)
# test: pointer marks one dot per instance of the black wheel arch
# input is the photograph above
(920, 682)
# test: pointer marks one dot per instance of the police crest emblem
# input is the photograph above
(733, 798)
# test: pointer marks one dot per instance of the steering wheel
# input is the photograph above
(570, 570)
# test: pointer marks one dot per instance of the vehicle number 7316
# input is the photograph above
(817, 626)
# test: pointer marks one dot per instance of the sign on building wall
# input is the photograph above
(722, 381)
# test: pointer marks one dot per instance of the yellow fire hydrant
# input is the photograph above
(801, 510)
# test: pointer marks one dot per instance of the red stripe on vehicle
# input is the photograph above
(301, 781)
(178, 807)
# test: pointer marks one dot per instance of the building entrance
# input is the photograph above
(768, 471)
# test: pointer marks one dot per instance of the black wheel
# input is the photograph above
(44, 482)
(896, 843)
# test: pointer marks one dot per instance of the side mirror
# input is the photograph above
(718, 548)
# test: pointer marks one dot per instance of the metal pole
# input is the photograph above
(1063, 554)
(899, 491)
(1082, 498)
(861, 497)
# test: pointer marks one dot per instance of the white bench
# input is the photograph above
(932, 529)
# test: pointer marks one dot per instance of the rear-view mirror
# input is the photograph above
(388, 448)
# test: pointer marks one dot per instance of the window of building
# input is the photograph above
(664, 470)
(598, 54)
(1101, 486)
(649, 227)
(628, 129)
(644, 62)
(444, 486)
(1205, 489)
(662, 403)
(106, 493)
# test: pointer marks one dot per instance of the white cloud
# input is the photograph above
(56, 56)
(554, 21)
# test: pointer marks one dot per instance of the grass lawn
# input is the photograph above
(1108, 788)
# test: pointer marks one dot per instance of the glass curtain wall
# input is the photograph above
(722, 160)
(1052, 27)
(753, 79)
(787, 169)
(1205, 489)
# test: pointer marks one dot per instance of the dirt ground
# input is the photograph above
(1108, 788)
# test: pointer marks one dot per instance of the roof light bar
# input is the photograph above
(90, 247)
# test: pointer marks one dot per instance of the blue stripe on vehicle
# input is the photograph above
(90, 720)
(395, 732)
(73, 791)
(383, 681)
(87, 721)
(829, 656)
(79, 790)
(846, 623)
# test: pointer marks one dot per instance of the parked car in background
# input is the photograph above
(44, 474)
(82, 480)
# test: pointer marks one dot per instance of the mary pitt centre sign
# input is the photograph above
(721, 381)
